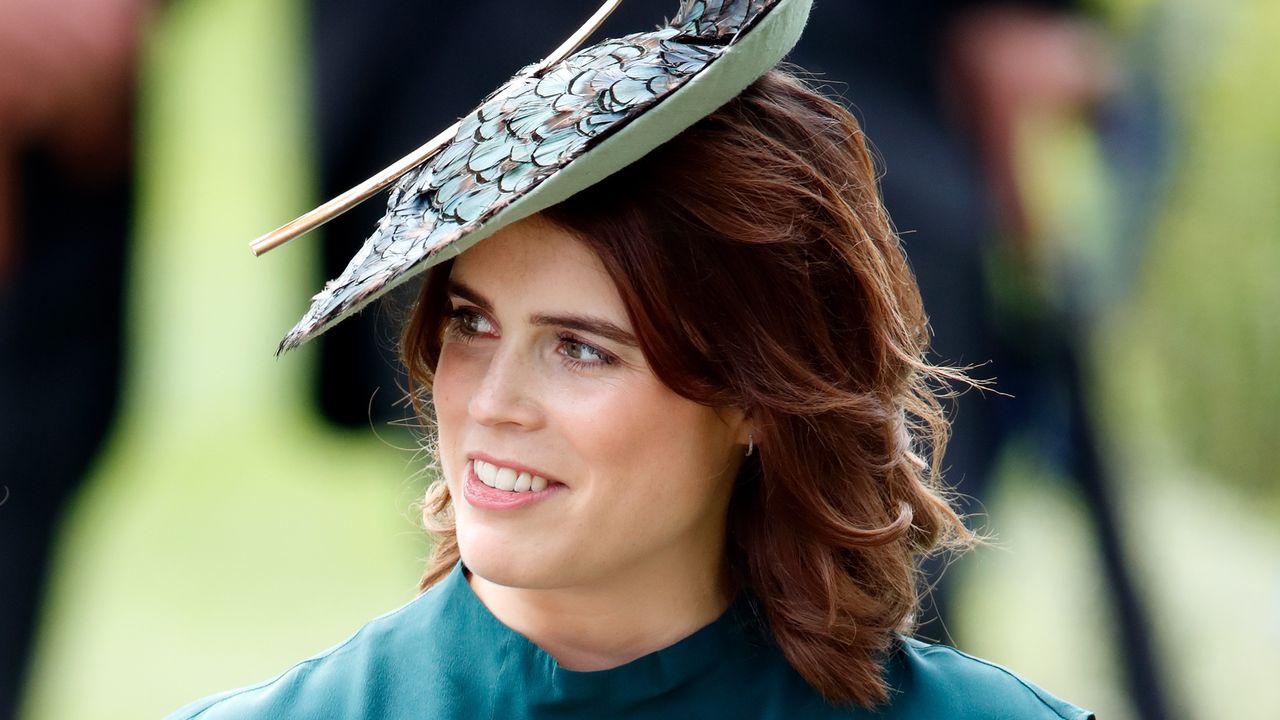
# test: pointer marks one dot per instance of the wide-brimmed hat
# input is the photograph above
(554, 129)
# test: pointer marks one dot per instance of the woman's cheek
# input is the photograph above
(454, 377)
(449, 398)
(622, 428)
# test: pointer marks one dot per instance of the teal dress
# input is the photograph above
(444, 655)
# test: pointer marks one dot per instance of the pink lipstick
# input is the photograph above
(482, 496)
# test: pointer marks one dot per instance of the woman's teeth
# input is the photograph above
(504, 478)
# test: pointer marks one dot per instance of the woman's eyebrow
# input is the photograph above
(586, 323)
(453, 287)
(582, 323)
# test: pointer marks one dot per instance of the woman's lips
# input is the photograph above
(506, 478)
(479, 495)
(518, 467)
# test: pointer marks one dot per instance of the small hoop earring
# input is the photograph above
(751, 444)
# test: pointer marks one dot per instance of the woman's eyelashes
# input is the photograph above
(465, 324)
(581, 355)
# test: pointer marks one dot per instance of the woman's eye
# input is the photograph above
(465, 323)
(583, 354)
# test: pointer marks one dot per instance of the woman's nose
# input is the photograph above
(506, 393)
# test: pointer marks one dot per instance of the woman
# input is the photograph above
(688, 450)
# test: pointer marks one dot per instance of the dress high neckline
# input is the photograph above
(655, 673)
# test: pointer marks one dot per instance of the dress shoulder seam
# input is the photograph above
(1034, 690)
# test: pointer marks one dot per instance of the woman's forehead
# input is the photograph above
(533, 262)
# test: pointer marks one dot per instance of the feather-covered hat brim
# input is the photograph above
(458, 196)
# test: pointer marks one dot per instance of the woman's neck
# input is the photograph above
(608, 624)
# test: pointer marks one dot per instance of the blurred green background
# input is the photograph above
(226, 533)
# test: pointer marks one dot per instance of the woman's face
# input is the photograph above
(540, 382)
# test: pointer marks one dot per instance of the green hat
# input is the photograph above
(553, 130)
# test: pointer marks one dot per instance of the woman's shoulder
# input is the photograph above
(929, 680)
(365, 665)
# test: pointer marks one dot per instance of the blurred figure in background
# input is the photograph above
(947, 89)
(66, 93)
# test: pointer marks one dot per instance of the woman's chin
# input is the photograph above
(504, 560)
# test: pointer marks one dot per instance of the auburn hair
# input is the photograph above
(759, 270)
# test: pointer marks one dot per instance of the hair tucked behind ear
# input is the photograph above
(760, 270)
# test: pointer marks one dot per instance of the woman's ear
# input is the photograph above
(741, 424)
(746, 431)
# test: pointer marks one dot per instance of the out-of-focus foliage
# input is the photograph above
(1205, 328)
